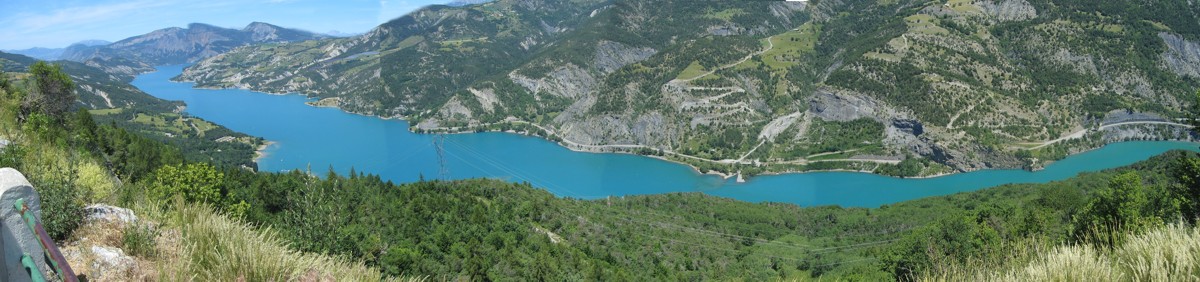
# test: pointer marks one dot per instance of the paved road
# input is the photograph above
(1081, 133)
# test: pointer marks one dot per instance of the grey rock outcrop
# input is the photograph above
(569, 81)
(102, 212)
(1008, 10)
(111, 260)
(1182, 56)
(1118, 116)
(910, 126)
(833, 105)
(611, 56)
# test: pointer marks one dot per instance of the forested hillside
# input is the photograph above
(73, 161)
(495, 230)
(112, 100)
(758, 86)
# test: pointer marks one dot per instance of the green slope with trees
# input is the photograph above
(72, 161)
(494, 230)
(961, 85)
(112, 100)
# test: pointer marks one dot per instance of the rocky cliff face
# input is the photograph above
(967, 84)
(1008, 10)
(1182, 56)
(611, 56)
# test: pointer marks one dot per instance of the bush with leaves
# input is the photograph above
(194, 182)
(94, 181)
(51, 91)
(1123, 207)
(62, 206)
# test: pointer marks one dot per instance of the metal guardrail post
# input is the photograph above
(57, 261)
(35, 274)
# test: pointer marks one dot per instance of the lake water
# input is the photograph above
(319, 138)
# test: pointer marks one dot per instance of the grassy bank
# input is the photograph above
(1166, 253)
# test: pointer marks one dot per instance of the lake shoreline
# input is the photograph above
(739, 177)
(261, 151)
(326, 137)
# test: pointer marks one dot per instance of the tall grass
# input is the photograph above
(1166, 253)
(1171, 253)
(201, 245)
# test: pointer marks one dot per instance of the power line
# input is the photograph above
(517, 175)
(753, 253)
(510, 170)
(804, 248)
(438, 141)
(765, 241)
(845, 262)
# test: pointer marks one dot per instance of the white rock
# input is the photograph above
(102, 212)
(110, 260)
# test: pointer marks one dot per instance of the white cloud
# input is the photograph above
(58, 23)
(81, 16)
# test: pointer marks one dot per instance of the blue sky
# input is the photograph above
(58, 23)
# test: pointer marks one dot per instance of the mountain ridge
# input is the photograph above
(50, 54)
(178, 45)
(761, 87)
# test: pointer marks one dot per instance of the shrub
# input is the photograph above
(194, 182)
(51, 91)
(95, 180)
(1122, 207)
(62, 208)
(11, 156)
(139, 240)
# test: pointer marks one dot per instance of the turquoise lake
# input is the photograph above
(314, 137)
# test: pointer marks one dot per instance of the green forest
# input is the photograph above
(483, 229)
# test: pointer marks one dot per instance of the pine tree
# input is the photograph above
(51, 91)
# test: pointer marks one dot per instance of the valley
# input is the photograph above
(604, 140)
(766, 99)
(317, 138)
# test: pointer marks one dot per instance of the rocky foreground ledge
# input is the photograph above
(92, 253)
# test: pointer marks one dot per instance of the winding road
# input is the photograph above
(684, 84)
(770, 45)
(1081, 133)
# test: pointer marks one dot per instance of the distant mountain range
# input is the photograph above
(50, 54)
(178, 45)
(336, 33)
(460, 3)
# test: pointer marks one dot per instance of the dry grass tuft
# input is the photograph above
(1171, 253)
(1167, 253)
(208, 246)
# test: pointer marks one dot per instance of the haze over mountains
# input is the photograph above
(179, 45)
(50, 54)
